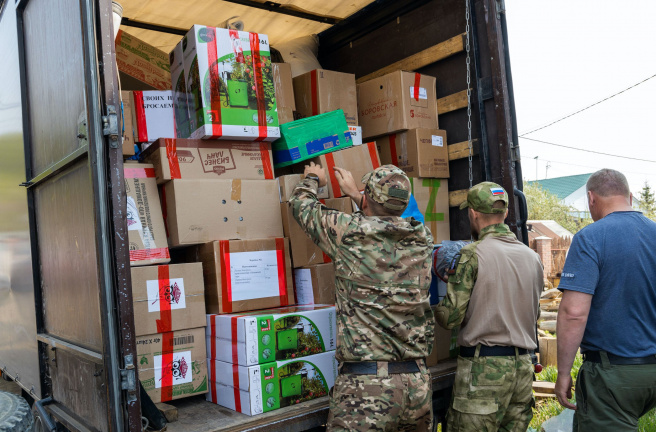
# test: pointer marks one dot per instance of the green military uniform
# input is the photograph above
(493, 392)
(382, 270)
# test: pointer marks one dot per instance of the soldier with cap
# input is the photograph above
(493, 294)
(385, 326)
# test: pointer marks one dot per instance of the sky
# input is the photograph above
(568, 54)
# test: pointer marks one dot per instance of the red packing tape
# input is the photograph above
(282, 272)
(149, 254)
(167, 367)
(394, 154)
(134, 173)
(211, 360)
(164, 324)
(215, 80)
(373, 155)
(172, 155)
(140, 113)
(265, 153)
(226, 289)
(417, 83)
(258, 65)
(313, 92)
(330, 171)
(235, 387)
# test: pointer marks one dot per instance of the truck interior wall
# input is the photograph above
(408, 34)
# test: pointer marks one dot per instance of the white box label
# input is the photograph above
(356, 134)
(172, 292)
(304, 292)
(423, 93)
(438, 141)
(158, 107)
(134, 222)
(254, 275)
(179, 369)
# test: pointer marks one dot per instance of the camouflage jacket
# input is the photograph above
(382, 277)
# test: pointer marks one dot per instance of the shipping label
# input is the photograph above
(423, 93)
(437, 140)
(179, 369)
(254, 275)
(304, 291)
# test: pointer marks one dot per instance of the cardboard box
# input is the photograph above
(304, 251)
(360, 160)
(285, 115)
(141, 66)
(356, 134)
(418, 152)
(270, 335)
(245, 275)
(180, 96)
(209, 159)
(309, 137)
(235, 97)
(146, 232)
(321, 91)
(128, 125)
(445, 345)
(432, 196)
(288, 182)
(153, 115)
(282, 79)
(262, 388)
(395, 102)
(167, 298)
(173, 365)
(315, 284)
(200, 211)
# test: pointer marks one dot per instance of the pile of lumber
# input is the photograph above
(549, 303)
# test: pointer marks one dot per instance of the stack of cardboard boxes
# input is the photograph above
(226, 154)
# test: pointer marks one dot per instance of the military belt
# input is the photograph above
(595, 357)
(492, 351)
(371, 368)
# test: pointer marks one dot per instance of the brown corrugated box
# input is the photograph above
(304, 251)
(418, 152)
(178, 357)
(360, 160)
(141, 66)
(284, 87)
(209, 159)
(390, 104)
(441, 345)
(146, 232)
(321, 91)
(168, 297)
(199, 211)
(128, 126)
(432, 196)
(287, 183)
(315, 284)
(256, 275)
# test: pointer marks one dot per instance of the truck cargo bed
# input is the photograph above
(198, 415)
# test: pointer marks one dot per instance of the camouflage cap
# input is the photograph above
(389, 186)
(483, 196)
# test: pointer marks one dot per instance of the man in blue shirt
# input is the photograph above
(609, 310)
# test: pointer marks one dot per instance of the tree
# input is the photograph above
(543, 205)
(648, 202)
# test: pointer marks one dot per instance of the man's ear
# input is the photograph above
(365, 204)
(591, 199)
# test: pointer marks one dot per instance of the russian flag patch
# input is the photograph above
(496, 191)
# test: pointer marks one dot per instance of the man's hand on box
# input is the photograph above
(318, 171)
(347, 183)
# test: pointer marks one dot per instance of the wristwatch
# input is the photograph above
(313, 176)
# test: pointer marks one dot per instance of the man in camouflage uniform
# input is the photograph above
(494, 296)
(385, 326)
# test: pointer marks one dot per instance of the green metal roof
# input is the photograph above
(563, 187)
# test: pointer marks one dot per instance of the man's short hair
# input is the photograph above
(607, 182)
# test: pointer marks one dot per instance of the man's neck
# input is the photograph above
(613, 205)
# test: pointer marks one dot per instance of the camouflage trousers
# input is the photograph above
(492, 394)
(382, 402)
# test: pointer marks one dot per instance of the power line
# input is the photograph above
(588, 107)
(597, 167)
(588, 151)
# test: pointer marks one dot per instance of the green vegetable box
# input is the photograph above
(228, 78)
(312, 136)
(261, 388)
(267, 335)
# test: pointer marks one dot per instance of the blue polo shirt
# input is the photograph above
(614, 259)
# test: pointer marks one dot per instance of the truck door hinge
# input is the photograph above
(514, 152)
(110, 126)
(501, 8)
(129, 378)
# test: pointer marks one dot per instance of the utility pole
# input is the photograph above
(536, 168)
(546, 171)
